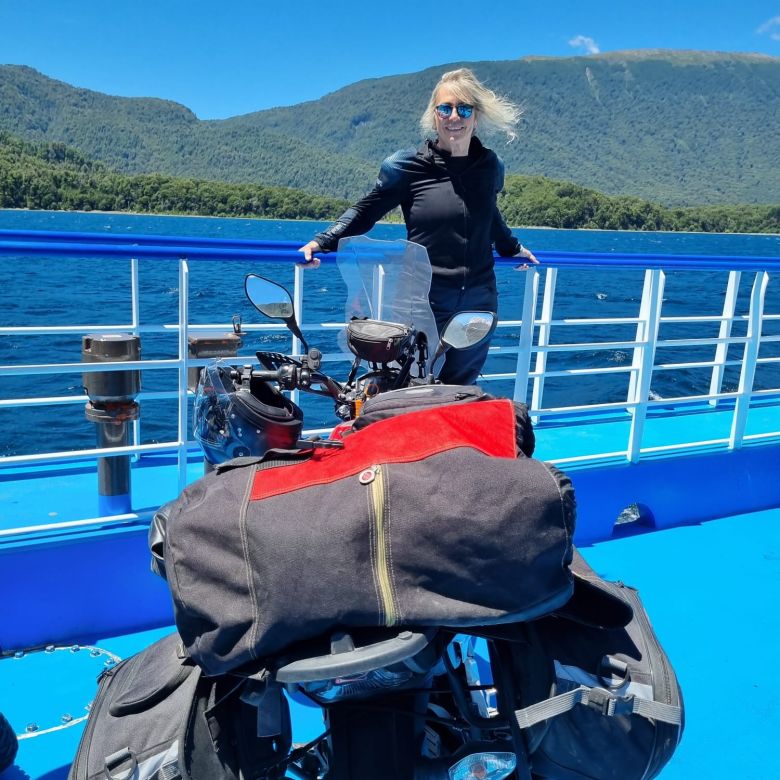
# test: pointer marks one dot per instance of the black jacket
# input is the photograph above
(449, 205)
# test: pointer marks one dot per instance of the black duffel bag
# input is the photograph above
(426, 518)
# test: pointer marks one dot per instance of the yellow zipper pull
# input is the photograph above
(374, 477)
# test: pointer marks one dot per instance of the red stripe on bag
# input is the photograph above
(487, 426)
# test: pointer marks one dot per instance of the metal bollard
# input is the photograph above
(111, 407)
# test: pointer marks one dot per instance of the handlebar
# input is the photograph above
(293, 376)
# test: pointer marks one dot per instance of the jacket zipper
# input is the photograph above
(382, 558)
(466, 245)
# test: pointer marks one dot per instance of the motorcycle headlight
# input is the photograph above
(484, 766)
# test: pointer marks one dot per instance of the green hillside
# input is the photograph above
(146, 135)
(53, 176)
(673, 127)
(679, 128)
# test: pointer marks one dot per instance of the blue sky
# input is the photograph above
(222, 58)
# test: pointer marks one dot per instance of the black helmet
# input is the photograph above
(233, 420)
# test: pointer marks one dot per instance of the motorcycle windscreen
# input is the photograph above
(389, 281)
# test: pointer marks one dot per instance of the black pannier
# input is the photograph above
(156, 716)
(417, 398)
(599, 699)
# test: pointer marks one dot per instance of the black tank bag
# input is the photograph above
(598, 697)
(378, 341)
(156, 716)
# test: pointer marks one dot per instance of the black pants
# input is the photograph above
(461, 366)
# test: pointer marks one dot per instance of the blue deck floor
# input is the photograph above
(711, 591)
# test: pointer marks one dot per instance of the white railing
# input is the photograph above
(533, 348)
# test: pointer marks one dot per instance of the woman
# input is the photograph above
(447, 191)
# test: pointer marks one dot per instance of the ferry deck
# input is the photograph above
(677, 497)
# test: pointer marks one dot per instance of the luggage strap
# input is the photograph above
(124, 764)
(168, 772)
(598, 699)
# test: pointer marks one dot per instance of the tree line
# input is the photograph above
(53, 176)
(535, 200)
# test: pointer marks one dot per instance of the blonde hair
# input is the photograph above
(492, 110)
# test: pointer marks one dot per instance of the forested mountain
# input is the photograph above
(673, 127)
(146, 135)
(53, 176)
(41, 175)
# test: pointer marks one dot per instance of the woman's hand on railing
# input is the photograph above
(526, 254)
(309, 260)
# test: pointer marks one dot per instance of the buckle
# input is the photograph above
(609, 705)
(600, 700)
(624, 705)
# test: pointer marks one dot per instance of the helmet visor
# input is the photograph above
(213, 403)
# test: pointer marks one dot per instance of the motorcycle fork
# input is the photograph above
(501, 664)
(379, 739)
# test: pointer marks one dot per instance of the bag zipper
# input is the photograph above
(658, 661)
(376, 483)
(242, 526)
(80, 769)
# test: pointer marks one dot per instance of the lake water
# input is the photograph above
(50, 291)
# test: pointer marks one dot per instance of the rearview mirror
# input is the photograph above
(268, 297)
(463, 330)
(467, 328)
(273, 300)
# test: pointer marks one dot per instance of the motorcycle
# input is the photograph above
(293, 579)
(406, 704)
(244, 411)
(389, 326)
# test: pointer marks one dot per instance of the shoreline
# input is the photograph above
(383, 223)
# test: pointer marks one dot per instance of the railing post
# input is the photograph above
(526, 335)
(298, 310)
(135, 322)
(545, 328)
(750, 356)
(644, 357)
(298, 306)
(379, 291)
(722, 350)
(184, 280)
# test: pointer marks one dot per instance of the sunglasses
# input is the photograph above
(464, 110)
